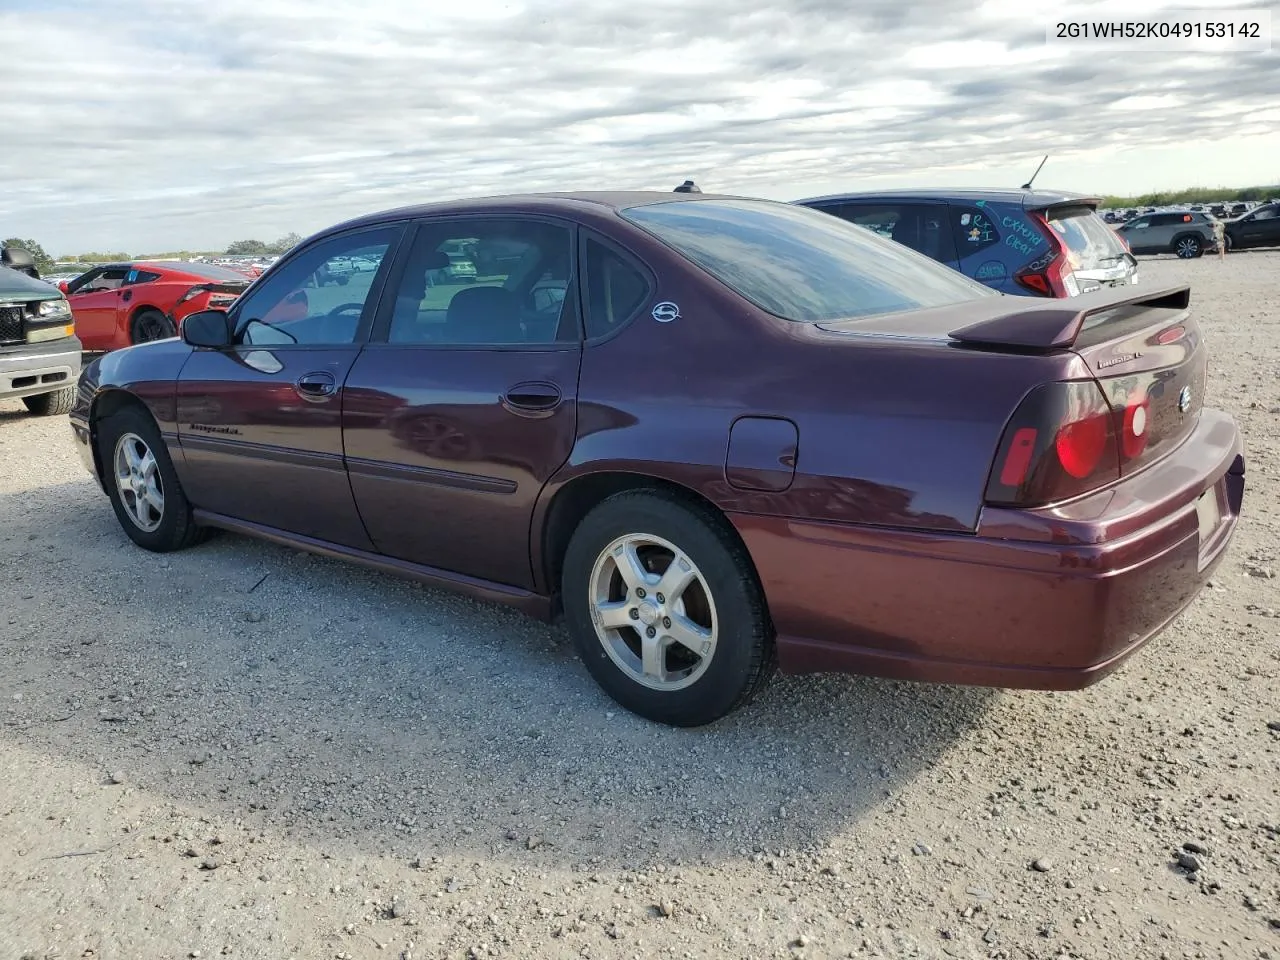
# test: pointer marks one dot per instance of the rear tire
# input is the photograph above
(151, 325)
(1188, 247)
(142, 484)
(710, 641)
(56, 404)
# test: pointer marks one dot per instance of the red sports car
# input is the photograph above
(119, 304)
(715, 434)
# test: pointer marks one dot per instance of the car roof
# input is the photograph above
(1028, 199)
(563, 203)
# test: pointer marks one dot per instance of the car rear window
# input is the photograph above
(1089, 241)
(802, 264)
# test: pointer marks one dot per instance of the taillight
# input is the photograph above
(1049, 275)
(1135, 423)
(1061, 442)
(193, 292)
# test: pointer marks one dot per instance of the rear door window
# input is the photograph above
(921, 226)
(613, 286)
(974, 229)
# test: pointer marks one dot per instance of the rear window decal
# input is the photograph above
(990, 270)
(980, 230)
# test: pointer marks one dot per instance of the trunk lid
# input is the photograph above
(1152, 365)
(1145, 351)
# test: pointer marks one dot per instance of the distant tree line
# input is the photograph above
(257, 248)
(242, 248)
(1194, 195)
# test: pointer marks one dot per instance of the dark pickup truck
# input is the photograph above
(39, 351)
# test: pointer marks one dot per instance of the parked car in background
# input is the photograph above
(119, 304)
(1259, 227)
(740, 432)
(1187, 234)
(1026, 242)
(39, 352)
(57, 278)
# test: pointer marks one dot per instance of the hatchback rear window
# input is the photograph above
(802, 264)
(1089, 241)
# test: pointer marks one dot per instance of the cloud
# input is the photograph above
(159, 123)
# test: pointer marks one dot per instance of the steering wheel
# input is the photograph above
(341, 332)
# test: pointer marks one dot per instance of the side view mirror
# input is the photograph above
(208, 328)
(64, 286)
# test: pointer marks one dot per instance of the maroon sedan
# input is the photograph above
(714, 434)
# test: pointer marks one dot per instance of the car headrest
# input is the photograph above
(414, 285)
(485, 315)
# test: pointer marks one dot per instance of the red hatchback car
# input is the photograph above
(118, 304)
(715, 434)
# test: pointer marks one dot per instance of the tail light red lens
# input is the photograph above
(1049, 275)
(1062, 442)
(1081, 444)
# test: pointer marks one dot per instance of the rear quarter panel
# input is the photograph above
(892, 432)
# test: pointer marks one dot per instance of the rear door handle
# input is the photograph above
(316, 385)
(527, 398)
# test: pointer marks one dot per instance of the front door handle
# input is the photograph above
(532, 398)
(316, 386)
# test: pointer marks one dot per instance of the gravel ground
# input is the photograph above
(244, 751)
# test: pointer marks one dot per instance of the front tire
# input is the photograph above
(55, 404)
(143, 485)
(151, 325)
(1188, 248)
(665, 609)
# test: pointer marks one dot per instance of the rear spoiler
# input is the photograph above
(1055, 324)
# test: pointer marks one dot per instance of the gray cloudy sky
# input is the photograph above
(155, 124)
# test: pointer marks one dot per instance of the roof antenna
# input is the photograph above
(1027, 185)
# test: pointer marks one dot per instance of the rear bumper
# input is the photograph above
(39, 368)
(1050, 599)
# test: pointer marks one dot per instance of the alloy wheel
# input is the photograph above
(138, 482)
(653, 612)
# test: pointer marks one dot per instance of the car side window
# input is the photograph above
(484, 282)
(920, 226)
(318, 296)
(1139, 224)
(974, 229)
(878, 218)
(1266, 213)
(136, 276)
(81, 282)
(108, 278)
(614, 288)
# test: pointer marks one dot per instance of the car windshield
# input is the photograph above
(1088, 240)
(802, 264)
